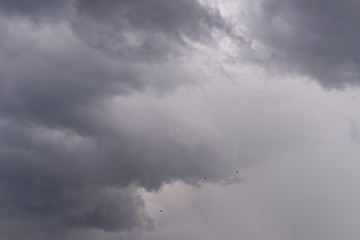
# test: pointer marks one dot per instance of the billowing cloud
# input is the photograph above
(144, 30)
(94, 108)
(71, 163)
(130, 29)
(316, 38)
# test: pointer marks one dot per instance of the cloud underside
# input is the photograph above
(315, 38)
(67, 163)
(73, 157)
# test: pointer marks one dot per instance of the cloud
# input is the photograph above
(315, 38)
(128, 29)
(71, 164)
(92, 112)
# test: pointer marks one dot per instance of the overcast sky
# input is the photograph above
(183, 119)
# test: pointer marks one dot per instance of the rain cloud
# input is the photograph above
(316, 38)
(69, 166)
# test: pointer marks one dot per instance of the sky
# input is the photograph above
(186, 119)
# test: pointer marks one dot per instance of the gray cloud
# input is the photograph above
(36, 10)
(69, 165)
(135, 30)
(145, 30)
(316, 38)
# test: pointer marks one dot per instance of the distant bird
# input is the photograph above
(237, 171)
(160, 210)
(204, 178)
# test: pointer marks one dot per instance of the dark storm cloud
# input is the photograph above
(135, 29)
(314, 37)
(44, 182)
(145, 29)
(186, 17)
(33, 7)
(36, 10)
(67, 163)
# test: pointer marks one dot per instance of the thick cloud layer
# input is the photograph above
(34, 9)
(130, 29)
(314, 37)
(79, 140)
(70, 161)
